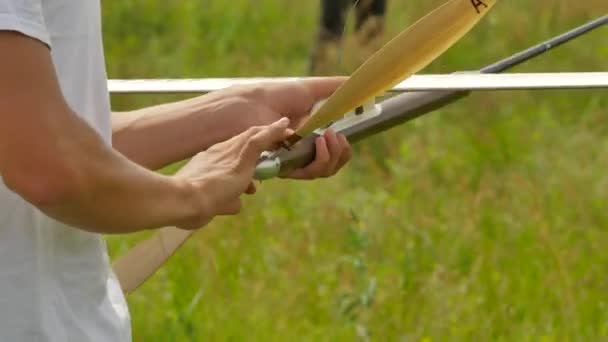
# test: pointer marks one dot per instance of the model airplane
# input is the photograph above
(402, 57)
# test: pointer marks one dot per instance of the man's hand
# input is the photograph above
(267, 102)
(160, 135)
(225, 171)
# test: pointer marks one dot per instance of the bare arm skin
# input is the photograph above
(55, 161)
(160, 135)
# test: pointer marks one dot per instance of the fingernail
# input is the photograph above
(284, 121)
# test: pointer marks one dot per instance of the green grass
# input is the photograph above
(487, 220)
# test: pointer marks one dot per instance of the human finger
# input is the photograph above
(301, 96)
(322, 87)
(347, 151)
(251, 189)
(266, 138)
(314, 169)
(335, 151)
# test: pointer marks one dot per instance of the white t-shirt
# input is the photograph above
(56, 283)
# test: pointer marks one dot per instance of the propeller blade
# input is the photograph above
(406, 54)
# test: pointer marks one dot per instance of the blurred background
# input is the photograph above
(487, 220)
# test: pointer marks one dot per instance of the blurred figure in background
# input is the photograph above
(369, 26)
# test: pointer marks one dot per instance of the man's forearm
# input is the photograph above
(56, 161)
(115, 195)
(72, 176)
(157, 136)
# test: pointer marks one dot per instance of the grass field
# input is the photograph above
(485, 221)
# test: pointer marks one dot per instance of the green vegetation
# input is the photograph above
(487, 220)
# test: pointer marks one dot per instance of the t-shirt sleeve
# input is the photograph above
(24, 16)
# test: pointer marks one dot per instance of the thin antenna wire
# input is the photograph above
(340, 60)
(545, 46)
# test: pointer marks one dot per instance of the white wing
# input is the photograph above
(460, 81)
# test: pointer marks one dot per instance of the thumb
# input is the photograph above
(264, 139)
(322, 87)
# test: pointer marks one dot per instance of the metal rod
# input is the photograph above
(541, 48)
